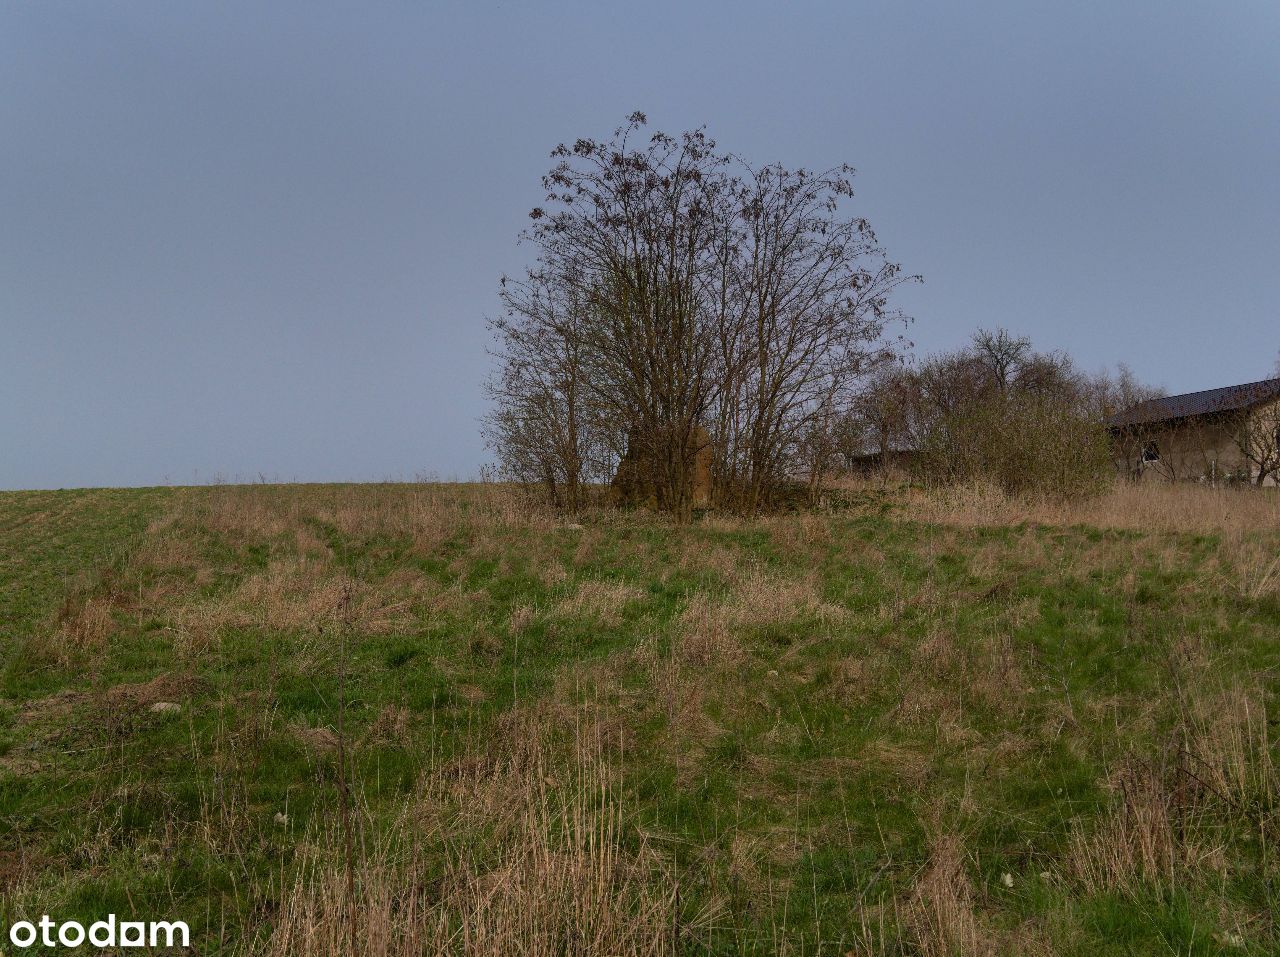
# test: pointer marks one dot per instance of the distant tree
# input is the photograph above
(680, 291)
(999, 411)
(1002, 354)
(806, 307)
(632, 230)
(540, 425)
(817, 449)
(1111, 392)
(882, 415)
(1107, 393)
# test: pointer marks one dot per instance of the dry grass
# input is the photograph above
(987, 670)
(704, 638)
(761, 598)
(601, 602)
(390, 726)
(1250, 568)
(800, 536)
(1151, 506)
(1139, 841)
(1170, 821)
(428, 514)
(1229, 746)
(940, 912)
(301, 595)
(1159, 832)
(85, 627)
(738, 687)
(297, 594)
(556, 868)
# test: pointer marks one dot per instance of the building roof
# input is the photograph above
(1232, 398)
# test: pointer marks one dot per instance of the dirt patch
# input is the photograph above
(62, 706)
(165, 687)
(391, 726)
(317, 741)
(18, 765)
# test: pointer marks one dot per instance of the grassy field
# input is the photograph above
(419, 719)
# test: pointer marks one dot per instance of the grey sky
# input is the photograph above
(243, 238)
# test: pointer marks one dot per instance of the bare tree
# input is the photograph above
(817, 450)
(540, 425)
(1107, 393)
(1002, 354)
(885, 412)
(807, 304)
(1257, 437)
(631, 229)
(680, 292)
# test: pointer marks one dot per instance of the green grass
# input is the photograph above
(859, 693)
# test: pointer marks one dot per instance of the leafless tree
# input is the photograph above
(1256, 434)
(1002, 354)
(631, 229)
(540, 424)
(1111, 392)
(804, 308)
(706, 295)
(1107, 393)
(883, 415)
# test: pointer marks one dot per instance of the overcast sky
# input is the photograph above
(262, 238)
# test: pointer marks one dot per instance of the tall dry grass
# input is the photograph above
(939, 914)
(1171, 818)
(172, 573)
(1147, 837)
(539, 852)
(427, 514)
(1146, 507)
(541, 859)
(601, 602)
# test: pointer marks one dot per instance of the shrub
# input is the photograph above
(1024, 443)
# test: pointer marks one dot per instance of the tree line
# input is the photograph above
(706, 321)
(996, 411)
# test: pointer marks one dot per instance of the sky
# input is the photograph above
(248, 241)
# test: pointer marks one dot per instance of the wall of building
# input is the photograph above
(1204, 449)
(1266, 420)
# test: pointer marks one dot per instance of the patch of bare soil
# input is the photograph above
(69, 709)
(317, 741)
(17, 765)
(165, 687)
(60, 704)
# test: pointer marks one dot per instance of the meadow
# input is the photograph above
(437, 719)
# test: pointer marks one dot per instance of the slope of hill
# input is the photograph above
(430, 719)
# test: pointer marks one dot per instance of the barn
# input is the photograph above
(1225, 435)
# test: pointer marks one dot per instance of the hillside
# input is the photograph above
(912, 724)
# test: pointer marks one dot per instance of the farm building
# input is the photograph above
(1230, 434)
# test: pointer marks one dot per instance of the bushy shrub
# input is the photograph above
(1022, 442)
